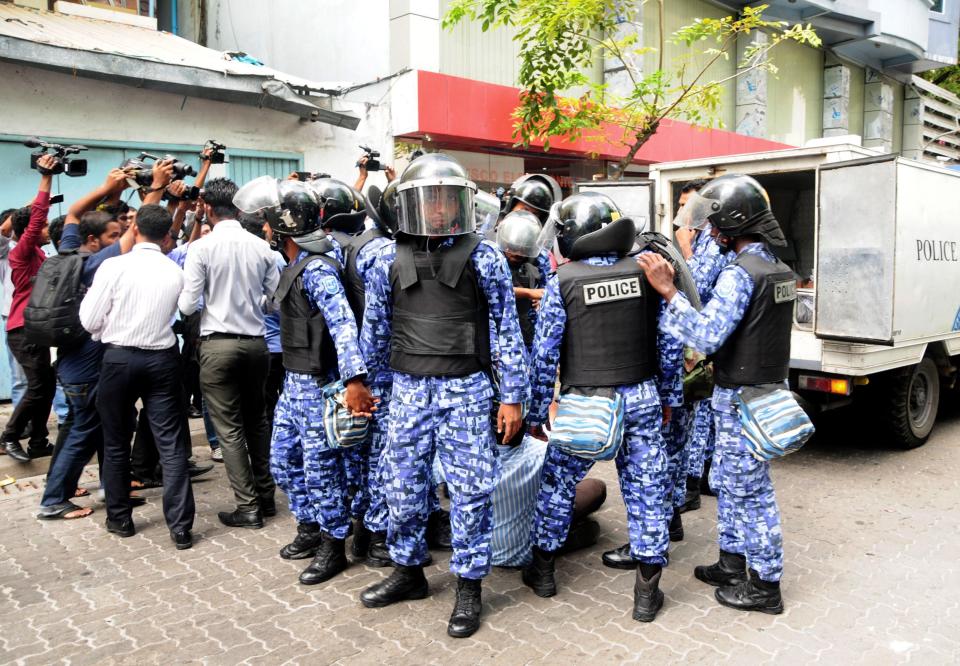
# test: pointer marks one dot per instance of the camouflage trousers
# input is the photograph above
(642, 468)
(364, 474)
(701, 439)
(676, 439)
(748, 519)
(459, 433)
(307, 468)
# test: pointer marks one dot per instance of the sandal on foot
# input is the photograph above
(81, 492)
(63, 511)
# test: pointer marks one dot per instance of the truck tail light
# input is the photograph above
(835, 385)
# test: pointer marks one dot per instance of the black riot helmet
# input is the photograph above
(435, 197)
(342, 208)
(382, 207)
(289, 206)
(585, 225)
(736, 206)
(538, 192)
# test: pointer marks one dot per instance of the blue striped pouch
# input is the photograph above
(339, 425)
(773, 423)
(589, 426)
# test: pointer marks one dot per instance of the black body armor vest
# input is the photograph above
(440, 317)
(307, 345)
(610, 337)
(526, 275)
(353, 283)
(758, 350)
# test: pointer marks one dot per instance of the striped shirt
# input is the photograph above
(133, 299)
(514, 501)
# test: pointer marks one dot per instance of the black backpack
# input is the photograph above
(52, 317)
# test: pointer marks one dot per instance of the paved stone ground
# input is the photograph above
(871, 578)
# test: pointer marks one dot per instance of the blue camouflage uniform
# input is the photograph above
(308, 468)
(362, 461)
(449, 416)
(747, 513)
(705, 265)
(641, 460)
(684, 450)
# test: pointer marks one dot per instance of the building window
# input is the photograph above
(937, 6)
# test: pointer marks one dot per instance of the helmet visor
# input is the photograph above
(436, 210)
(695, 213)
(488, 210)
(550, 231)
(261, 193)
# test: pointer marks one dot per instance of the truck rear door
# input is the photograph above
(634, 198)
(855, 244)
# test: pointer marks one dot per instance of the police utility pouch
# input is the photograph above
(340, 426)
(589, 426)
(773, 423)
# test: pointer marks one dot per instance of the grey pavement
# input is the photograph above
(871, 577)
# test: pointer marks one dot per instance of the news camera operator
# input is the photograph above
(370, 161)
(25, 260)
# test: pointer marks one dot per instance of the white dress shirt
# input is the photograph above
(133, 299)
(233, 271)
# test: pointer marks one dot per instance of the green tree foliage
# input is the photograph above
(945, 77)
(560, 40)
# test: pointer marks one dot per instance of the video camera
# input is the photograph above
(190, 193)
(71, 167)
(373, 164)
(141, 173)
(217, 156)
(304, 176)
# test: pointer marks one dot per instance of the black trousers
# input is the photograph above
(129, 374)
(34, 407)
(188, 358)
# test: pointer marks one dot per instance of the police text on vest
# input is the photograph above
(784, 291)
(612, 290)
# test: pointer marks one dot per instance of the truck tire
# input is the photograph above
(911, 396)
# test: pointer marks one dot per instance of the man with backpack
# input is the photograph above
(89, 238)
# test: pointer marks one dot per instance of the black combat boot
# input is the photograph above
(619, 558)
(361, 540)
(753, 594)
(730, 569)
(465, 619)
(377, 553)
(403, 584)
(331, 559)
(647, 597)
(676, 527)
(439, 536)
(692, 501)
(538, 576)
(305, 544)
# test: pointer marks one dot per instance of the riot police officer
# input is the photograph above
(535, 193)
(319, 335)
(517, 235)
(431, 301)
(343, 212)
(746, 326)
(602, 341)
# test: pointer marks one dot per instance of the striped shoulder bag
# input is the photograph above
(589, 426)
(773, 423)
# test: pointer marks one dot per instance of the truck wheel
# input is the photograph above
(912, 395)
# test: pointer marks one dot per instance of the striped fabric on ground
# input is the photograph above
(589, 426)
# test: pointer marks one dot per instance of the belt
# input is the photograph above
(110, 345)
(229, 336)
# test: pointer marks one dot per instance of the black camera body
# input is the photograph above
(304, 176)
(141, 172)
(373, 162)
(72, 167)
(217, 156)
